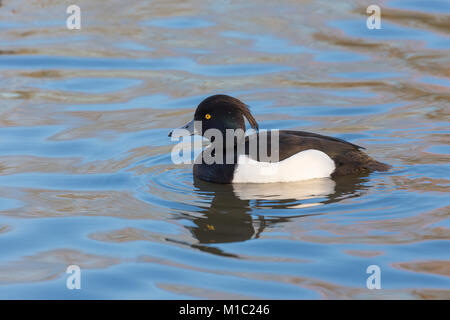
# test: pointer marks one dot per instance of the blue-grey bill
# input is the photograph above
(189, 128)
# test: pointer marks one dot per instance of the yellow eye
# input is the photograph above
(207, 116)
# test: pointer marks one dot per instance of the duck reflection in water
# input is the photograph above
(236, 211)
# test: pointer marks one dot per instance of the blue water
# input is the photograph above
(87, 179)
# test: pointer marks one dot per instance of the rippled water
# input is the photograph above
(86, 176)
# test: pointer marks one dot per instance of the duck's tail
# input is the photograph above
(374, 165)
(356, 162)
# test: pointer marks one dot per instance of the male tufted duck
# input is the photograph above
(300, 155)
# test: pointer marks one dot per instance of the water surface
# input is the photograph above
(86, 176)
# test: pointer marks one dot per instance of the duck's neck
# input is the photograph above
(231, 137)
(231, 143)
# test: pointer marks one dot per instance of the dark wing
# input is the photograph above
(315, 135)
(292, 142)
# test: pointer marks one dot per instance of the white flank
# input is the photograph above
(308, 164)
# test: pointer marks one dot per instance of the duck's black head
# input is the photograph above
(220, 112)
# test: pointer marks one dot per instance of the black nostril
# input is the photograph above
(170, 133)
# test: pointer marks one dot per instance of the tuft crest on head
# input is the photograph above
(222, 99)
